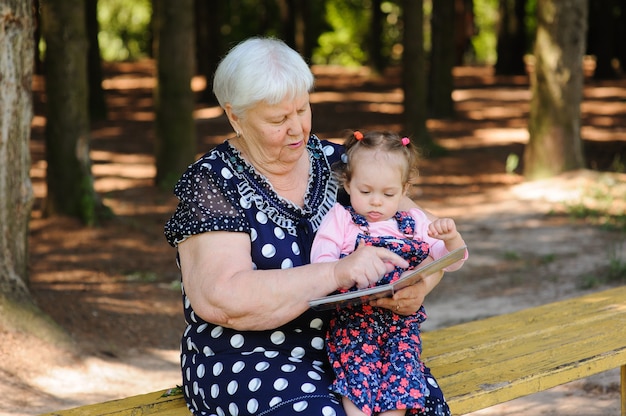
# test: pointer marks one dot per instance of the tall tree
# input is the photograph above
(511, 46)
(464, 30)
(97, 102)
(414, 75)
(555, 145)
(292, 22)
(68, 177)
(174, 98)
(603, 36)
(208, 43)
(442, 57)
(16, 195)
(374, 38)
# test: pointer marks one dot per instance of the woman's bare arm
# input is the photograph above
(223, 288)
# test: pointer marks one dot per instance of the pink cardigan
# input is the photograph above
(337, 235)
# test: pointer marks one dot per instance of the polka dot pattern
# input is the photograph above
(283, 371)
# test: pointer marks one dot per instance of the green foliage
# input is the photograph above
(124, 29)
(392, 31)
(618, 165)
(614, 272)
(601, 204)
(174, 391)
(142, 276)
(511, 256)
(484, 42)
(531, 22)
(512, 163)
(344, 43)
(349, 22)
(617, 265)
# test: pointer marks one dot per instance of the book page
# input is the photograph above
(369, 294)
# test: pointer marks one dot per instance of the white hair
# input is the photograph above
(260, 69)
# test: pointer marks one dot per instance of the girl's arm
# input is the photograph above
(408, 300)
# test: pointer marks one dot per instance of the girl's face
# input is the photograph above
(376, 186)
(275, 136)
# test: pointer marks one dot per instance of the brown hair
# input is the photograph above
(383, 141)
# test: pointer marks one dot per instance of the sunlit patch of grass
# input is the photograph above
(142, 276)
(603, 203)
(613, 272)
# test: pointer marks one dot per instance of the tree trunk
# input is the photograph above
(511, 46)
(16, 113)
(556, 83)
(442, 59)
(414, 74)
(68, 177)
(208, 44)
(174, 99)
(374, 38)
(97, 102)
(602, 39)
(464, 30)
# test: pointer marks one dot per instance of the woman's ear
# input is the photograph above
(232, 117)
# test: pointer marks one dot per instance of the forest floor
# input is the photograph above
(114, 288)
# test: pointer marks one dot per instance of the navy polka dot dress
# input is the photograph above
(284, 371)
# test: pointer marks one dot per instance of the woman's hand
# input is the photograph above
(365, 266)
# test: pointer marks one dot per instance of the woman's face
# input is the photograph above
(275, 135)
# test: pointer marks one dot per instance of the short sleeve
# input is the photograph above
(207, 202)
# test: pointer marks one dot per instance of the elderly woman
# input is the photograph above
(244, 225)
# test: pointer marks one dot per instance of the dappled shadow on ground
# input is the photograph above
(114, 288)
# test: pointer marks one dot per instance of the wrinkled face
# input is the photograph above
(376, 186)
(275, 134)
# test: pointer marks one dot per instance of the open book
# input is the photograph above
(368, 294)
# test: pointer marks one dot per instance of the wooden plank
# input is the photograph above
(482, 363)
(487, 362)
(623, 388)
(142, 405)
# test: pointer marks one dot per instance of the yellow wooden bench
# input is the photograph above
(482, 363)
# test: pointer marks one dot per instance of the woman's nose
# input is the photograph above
(295, 128)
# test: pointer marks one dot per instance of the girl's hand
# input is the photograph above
(443, 229)
(406, 301)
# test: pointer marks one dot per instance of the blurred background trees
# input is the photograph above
(424, 39)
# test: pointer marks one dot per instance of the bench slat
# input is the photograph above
(486, 362)
(528, 351)
(141, 405)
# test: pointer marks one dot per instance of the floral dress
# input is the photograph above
(284, 371)
(375, 353)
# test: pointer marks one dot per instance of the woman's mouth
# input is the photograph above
(296, 144)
